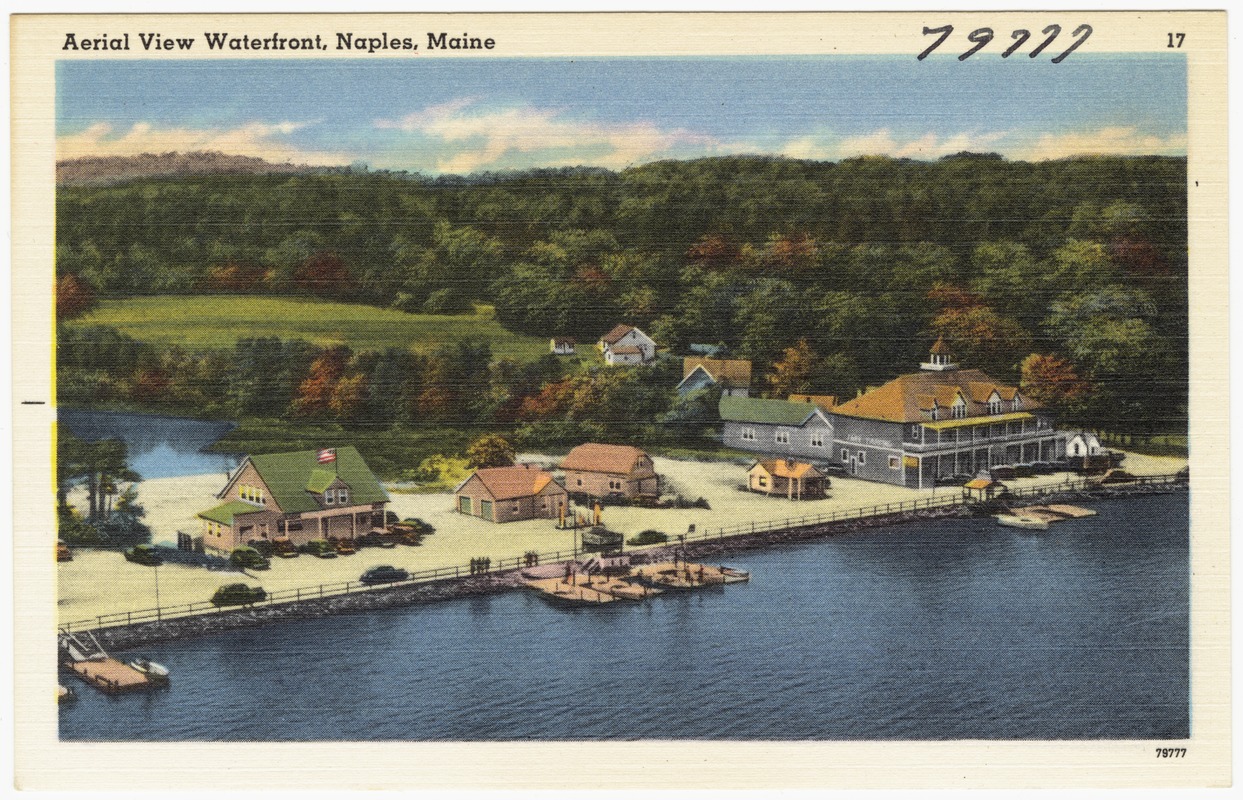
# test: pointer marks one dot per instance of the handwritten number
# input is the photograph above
(1056, 29)
(944, 30)
(1020, 36)
(1086, 31)
(981, 37)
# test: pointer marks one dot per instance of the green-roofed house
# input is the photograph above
(777, 427)
(297, 496)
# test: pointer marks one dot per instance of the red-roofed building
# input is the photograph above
(507, 494)
(600, 470)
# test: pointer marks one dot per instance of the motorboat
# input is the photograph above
(156, 673)
(1022, 521)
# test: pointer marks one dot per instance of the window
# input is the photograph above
(330, 497)
(894, 462)
(1018, 402)
(861, 457)
(580, 481)
(994, 405)
(517, 506)
(958, 410)
(763, 481)
(914, 431)
(748, 434)
(845, 454)
(783, 436)
(817, 439)
(934, 412)
(343, 496)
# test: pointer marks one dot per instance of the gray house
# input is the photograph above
(777, 427)
(939, 423)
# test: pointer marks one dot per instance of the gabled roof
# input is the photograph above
(616, 334)
(907, 397)
(768, 412)
(782, 468)
(615, 459)
(732, 372)
(509, 483)
(224, 514)
(288, 477)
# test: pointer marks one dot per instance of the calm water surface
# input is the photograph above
(934, 630)
(159, 447)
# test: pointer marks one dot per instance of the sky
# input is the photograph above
(458, 116)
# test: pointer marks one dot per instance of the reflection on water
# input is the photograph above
(159, 447)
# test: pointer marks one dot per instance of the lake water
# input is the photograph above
(953, 629)
(159, 447)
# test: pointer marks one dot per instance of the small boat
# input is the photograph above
(64, 694)
(156, 673)
(731, 575)
(1024, 522)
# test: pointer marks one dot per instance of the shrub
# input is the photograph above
(648, 537)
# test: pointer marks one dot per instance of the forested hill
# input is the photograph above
(104, 170)
(1084, 259)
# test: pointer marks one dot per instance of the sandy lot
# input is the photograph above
(98, 582)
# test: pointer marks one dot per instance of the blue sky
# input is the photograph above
(468, 115)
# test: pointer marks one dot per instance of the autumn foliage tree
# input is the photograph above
(323, 274)
(74, 297)
(1054, 382)
(795, 372)
(315, 393)
(490, 450)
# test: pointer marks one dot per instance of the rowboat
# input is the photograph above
(1024, 522)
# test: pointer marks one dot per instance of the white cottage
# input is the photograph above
(627, 345)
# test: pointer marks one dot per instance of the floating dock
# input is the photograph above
(681, 576)
(562, 591)
(1054, 513)
(85, 658)
(576, 587)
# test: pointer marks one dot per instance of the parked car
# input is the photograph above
(283, 548)
(320, 548)
(63, 552)
(248, 558)
(383, 574)
(144, 554)
(238, 594)
(262, 546)
(344, 547)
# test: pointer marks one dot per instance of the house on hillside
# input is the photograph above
(310, 494)
(776, 427)
(797, 480)
(939, 423)
(506, 494)
(601, 470)
(561, 346)
(627, 345)
(732, 375)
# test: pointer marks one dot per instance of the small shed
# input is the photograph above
(797, 480)
(562, 346)
(982, 489)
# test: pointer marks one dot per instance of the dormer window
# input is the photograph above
(994, 406)
(330, 497)
(343, 496)
(934, 412)
(959, 409)
(1018, 402)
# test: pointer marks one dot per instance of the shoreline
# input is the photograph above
(123, 637)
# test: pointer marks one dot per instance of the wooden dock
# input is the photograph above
(109, 675)
(1054, 513)
(682, 576)
(572, 593)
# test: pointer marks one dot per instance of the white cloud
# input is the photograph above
(475, 138)
(826, 146)
(257, 139)
(1120, 141)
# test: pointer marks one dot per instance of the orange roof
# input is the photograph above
(907, 397)
(616, 333)
(726, 371)
(940, 348)
(781, 468)
(981, 483)
(615, 459)
(508, 483)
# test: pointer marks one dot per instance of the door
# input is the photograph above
(485, 509)
(854, 465)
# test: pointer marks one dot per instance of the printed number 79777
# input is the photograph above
(1171, 752)
(980, 37)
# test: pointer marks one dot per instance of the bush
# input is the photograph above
(648, 537)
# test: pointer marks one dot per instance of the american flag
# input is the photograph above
(326, 456)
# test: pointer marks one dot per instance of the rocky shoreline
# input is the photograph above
(145, 633)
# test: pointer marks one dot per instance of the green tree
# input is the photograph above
(490, 450)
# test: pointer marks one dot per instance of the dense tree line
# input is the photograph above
(1080, 263)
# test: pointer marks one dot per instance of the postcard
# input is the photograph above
(626, 401)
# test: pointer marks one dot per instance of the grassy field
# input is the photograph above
(218, 321)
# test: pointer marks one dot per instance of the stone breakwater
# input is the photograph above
(144, 633)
